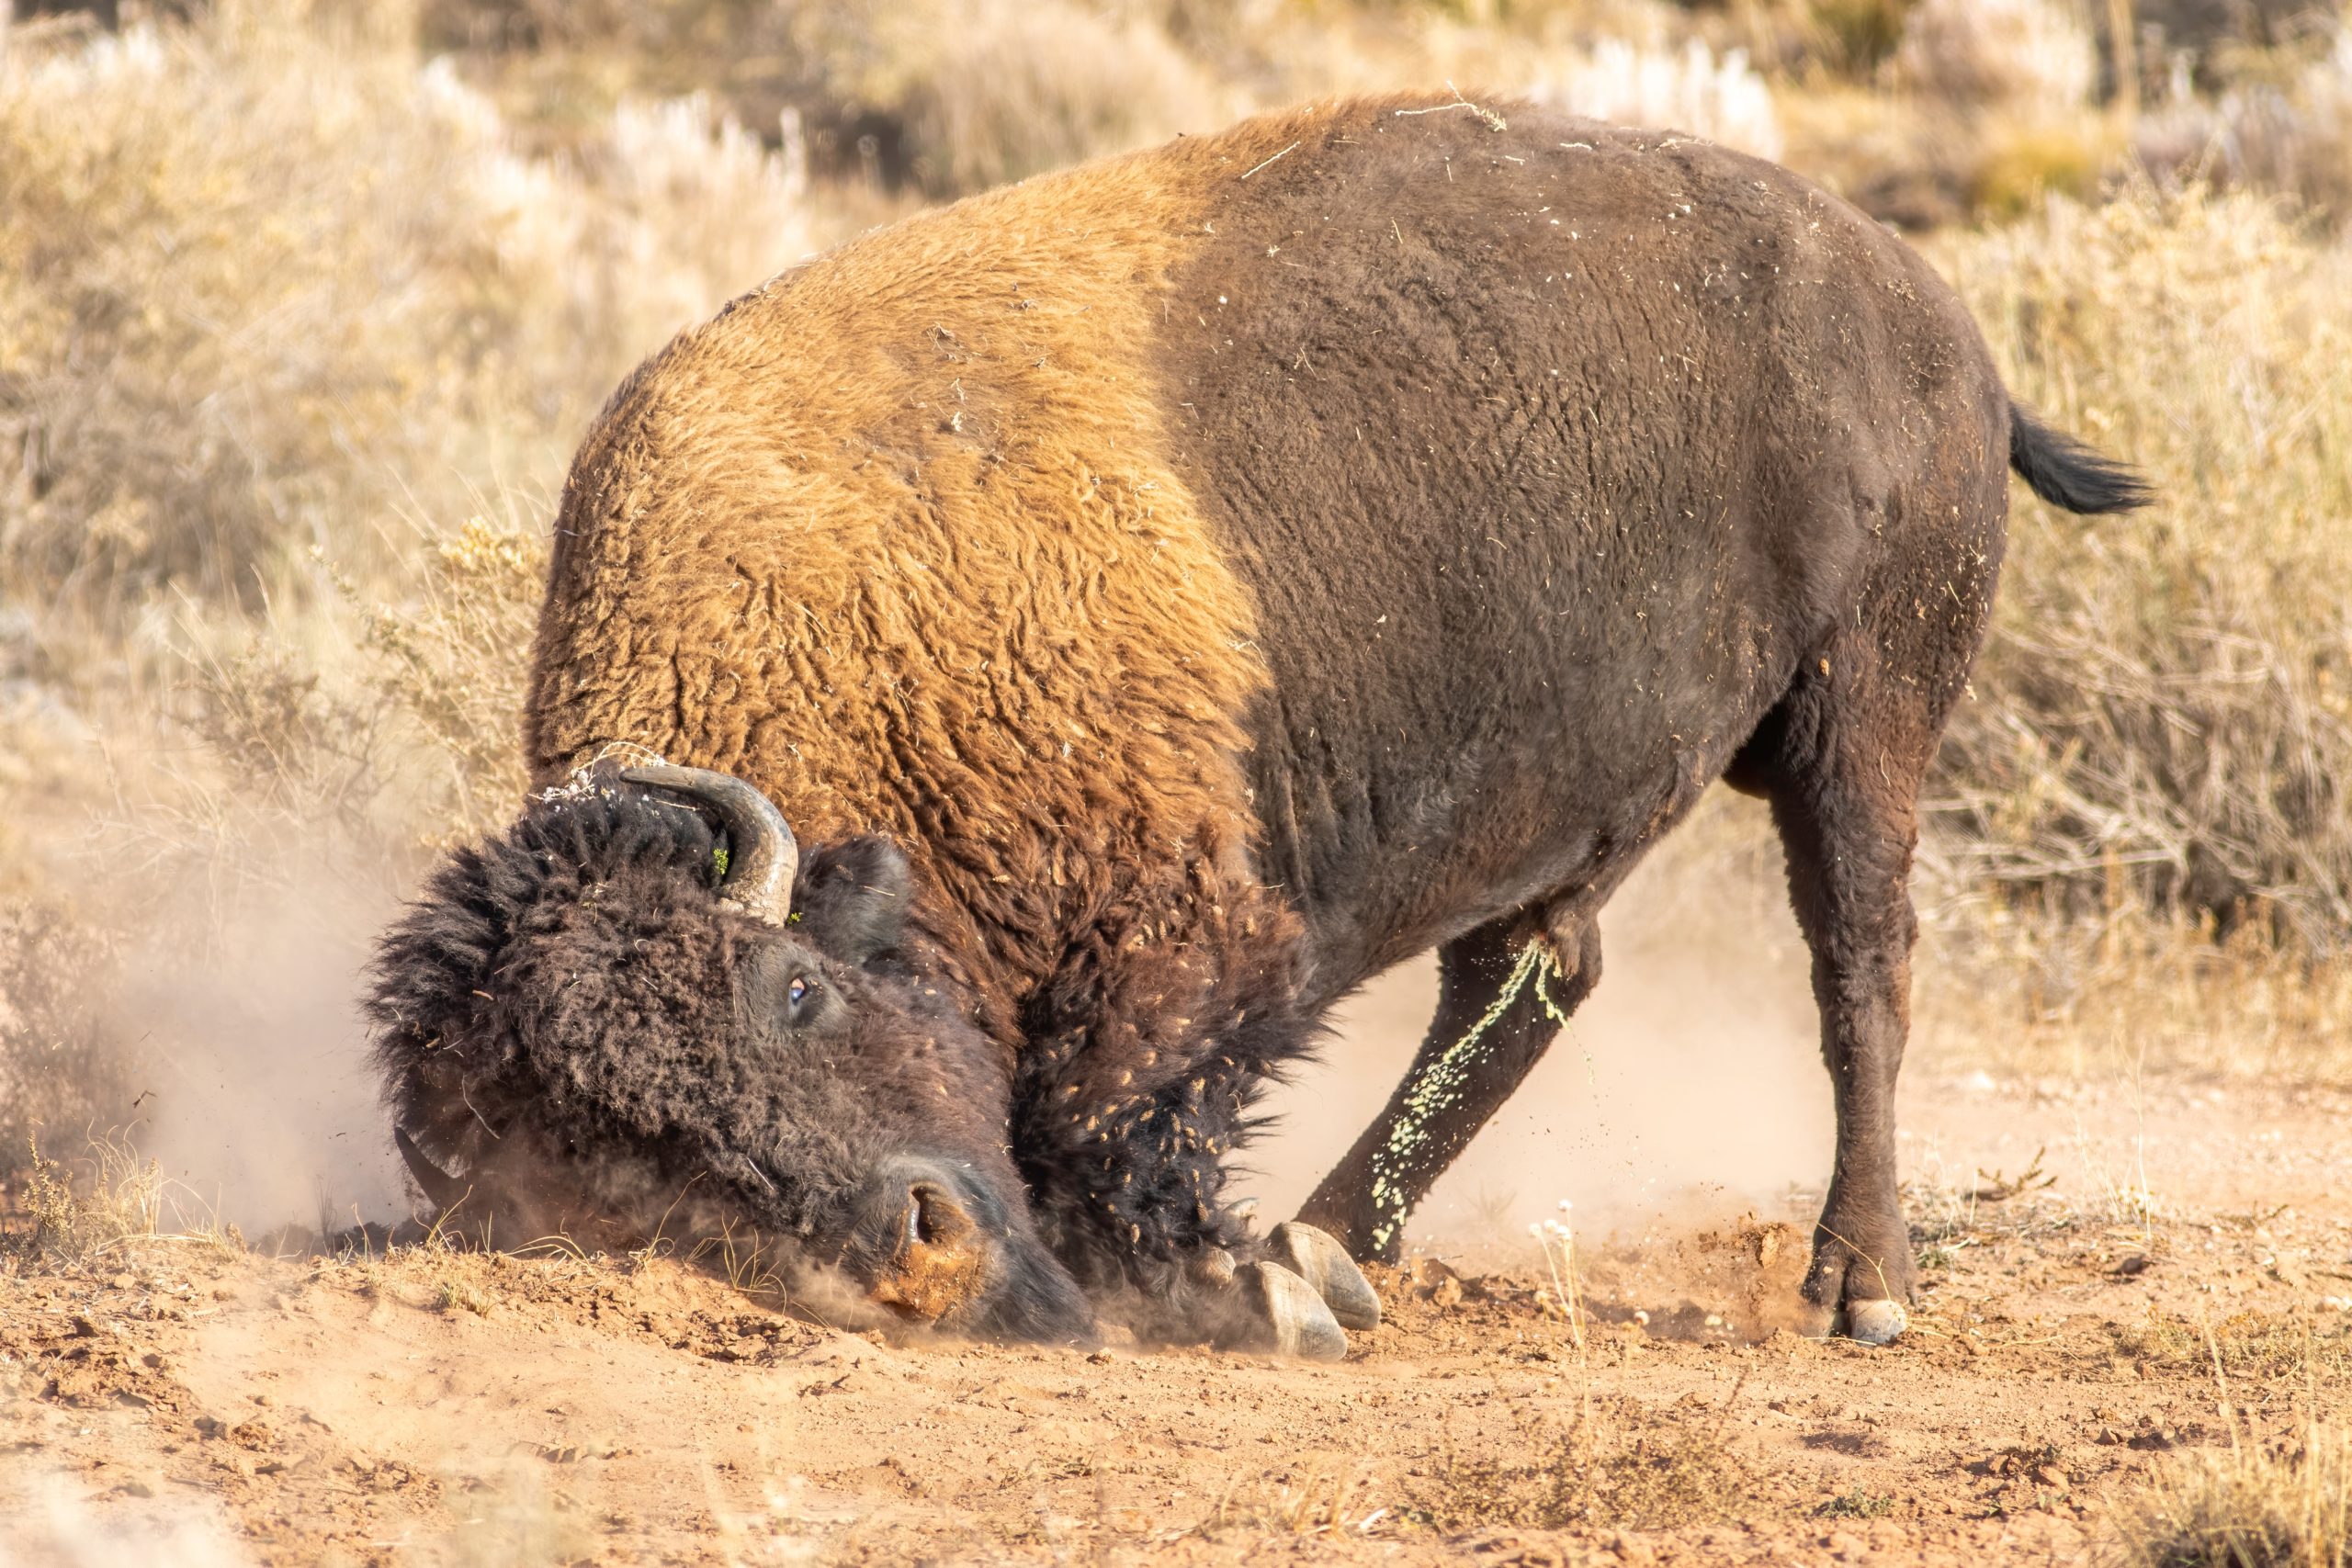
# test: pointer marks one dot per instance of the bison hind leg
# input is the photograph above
(1841, 761)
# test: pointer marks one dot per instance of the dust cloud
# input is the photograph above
(1689, 1082)
(255, 1098)
(62, 1525)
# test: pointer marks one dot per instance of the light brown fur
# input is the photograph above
(781, 520)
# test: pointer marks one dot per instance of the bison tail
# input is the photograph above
(2066, 473)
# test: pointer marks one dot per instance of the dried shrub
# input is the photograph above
(2291, 134)
(62, 1072)
(2166, 699)
(2015, 56)
(448, 669)
(2018, 164)
(2005, 982)
(262, 284)
(1850, 39)
(977, 94)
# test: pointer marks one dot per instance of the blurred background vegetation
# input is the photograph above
(304, 304)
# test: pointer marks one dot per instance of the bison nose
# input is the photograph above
(926, 1255)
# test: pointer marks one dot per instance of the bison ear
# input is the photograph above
(850, 900)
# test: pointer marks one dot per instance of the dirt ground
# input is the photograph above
(180, 1404)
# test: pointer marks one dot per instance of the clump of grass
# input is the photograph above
(109, 1195)
(2249, 1506)
(1605, 1467)
(1320, 1499)
(1857, 1503)
(457, 1295)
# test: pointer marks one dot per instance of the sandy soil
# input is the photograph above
(174, 1402)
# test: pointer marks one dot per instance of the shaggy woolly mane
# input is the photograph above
(442, 985)
(574, 993)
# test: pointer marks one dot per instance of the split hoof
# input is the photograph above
(1281, 1314)
(1317, 1257)
(1876, 1323)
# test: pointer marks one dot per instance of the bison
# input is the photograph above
(1168, 593)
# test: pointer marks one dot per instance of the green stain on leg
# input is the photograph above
(1439, 1085)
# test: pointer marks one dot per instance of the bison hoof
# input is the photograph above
(1281, 1312)
(1317, 1257)
(1876, 1323)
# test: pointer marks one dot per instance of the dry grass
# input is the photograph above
(2168, 697)
(108, 1199)
(2247, 1507)
(320, 269)
(2256, 1346)
(1607, 1465)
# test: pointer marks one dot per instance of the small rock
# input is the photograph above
(2050, 1475)
(1446, 1294)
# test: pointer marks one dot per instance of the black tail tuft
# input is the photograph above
(2065, 472)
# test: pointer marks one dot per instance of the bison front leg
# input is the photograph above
(1146, 1056)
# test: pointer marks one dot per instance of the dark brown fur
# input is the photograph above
(1233, 569)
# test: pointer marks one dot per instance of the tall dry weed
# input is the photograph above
(2168, 696)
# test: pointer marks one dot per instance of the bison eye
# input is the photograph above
(797, 991)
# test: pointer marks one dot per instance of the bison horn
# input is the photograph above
(444, 1189)
(761, 857)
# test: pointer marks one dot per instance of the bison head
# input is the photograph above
(640, 1008)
